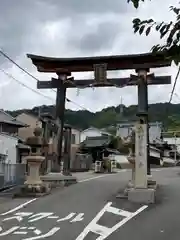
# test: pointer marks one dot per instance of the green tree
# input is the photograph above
(170, 31)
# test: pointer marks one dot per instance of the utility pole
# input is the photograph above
(175, 152)
(67, 150)
(121, 109)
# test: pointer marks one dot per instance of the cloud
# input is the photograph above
(65, 28)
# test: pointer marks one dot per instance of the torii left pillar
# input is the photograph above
(60, 110)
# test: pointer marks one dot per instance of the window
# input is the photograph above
(3, 158)
(73, 138)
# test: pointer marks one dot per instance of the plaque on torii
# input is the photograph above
(141, 63)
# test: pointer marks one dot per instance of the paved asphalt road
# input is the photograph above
(71, 213)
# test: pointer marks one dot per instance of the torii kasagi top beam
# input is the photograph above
(117, 62)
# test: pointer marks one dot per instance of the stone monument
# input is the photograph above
(130, 143)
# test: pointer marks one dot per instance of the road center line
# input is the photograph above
(101, 176)
(19, 207)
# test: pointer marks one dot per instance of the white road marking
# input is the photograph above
(78, 218)
(21, 233)
(103, 231)
(80, 181)
(49, 234)
(11, 230)
(53, 217)
(18, 207)
(39, 216)
(101, 176)
(18, 216)
(37, 232)
(7, 190)
(69, 216)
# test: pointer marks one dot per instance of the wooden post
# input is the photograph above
(60, 110)
(67, 150)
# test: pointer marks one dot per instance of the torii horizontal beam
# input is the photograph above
(116, 62)
(112, 82)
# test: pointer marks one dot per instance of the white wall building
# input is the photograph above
(155, 129)
(75, 136)
(173, 141)
(8, 148)
(92, 132)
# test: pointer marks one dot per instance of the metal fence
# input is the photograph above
(12, 174)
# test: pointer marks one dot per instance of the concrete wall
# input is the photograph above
(8, 147)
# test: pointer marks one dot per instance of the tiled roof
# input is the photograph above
(6, 118)
(96, 142)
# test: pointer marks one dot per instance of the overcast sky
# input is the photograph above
(65, 28)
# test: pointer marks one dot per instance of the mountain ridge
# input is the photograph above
(167, 113)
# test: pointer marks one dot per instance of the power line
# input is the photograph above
(77, 104)
(24, 85)
(25, 71)
(170, 99)
(174, 86)
(35, 91)
(17, 65)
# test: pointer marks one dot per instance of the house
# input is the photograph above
(12, 151)
(96, 146)
(155, 130)
(76, 136)
(173, 141)
(9, 124)
(93, 132)
(31, 122)
(9, 148)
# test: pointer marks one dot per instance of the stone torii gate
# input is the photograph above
(141, 63)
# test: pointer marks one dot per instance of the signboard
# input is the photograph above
(100, 73)
(141, 156)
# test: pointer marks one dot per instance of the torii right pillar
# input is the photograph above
(141, 192)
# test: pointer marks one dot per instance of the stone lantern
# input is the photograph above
(34, 184)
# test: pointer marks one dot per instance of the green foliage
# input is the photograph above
(170, 31)
(135, 2)
(109, 117)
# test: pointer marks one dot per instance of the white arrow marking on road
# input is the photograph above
(103, 231)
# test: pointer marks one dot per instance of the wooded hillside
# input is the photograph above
(169, 114)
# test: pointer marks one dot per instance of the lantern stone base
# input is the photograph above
(58, 179)
(33, 186)
(145, 196)
(35, 190)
